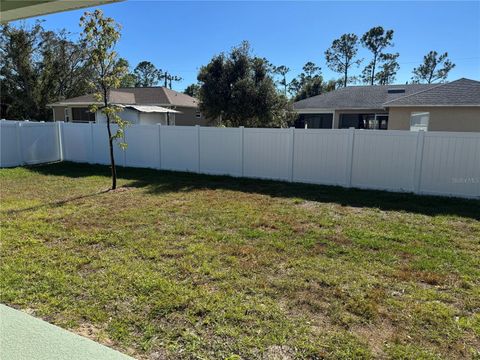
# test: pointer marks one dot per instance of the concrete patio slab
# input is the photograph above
(23, 337)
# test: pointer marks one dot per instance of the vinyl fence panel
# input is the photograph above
(179, 148)
(39, 142)
(10, 151)
(267, 153)
(451, 164)
(384, 160)
(142, 146)
(321, 156)
(77, 142)
(221, 151)
(24, 142)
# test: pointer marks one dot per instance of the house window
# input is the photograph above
(198, 114)
(314, 121)
(382, 120)
(364, 121)
(67, 114)
(419, 121)
(82, 115)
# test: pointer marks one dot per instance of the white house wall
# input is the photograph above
(126, 114)
(152, 118)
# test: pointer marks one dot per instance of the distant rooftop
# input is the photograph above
(159, 95)
(462, 92)
(459, 92)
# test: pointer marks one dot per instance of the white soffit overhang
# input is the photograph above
(11, 10)
(151, 109)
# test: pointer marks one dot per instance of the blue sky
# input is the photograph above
(181, 36)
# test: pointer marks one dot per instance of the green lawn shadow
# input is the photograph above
(157, 182)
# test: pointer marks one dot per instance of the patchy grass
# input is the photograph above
(186, 266)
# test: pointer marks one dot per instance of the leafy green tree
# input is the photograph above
(311, 69)
(237, 88)
(388, 69)
(129, 79)
(340, 57)
(375, 40)
(192, 90)
(332, 85)
(100, 35)
(435, 67)
(294, 86)
(38, 67)
(308, 83)
(147, 74)
(282, 71)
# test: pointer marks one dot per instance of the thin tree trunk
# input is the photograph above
(345, 77)
(110, 144)
(373, 69)
(112, 158)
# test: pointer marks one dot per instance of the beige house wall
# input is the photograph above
(188, 117)
(59, 113)
(441, 118)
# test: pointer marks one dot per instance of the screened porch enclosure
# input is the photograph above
(315, 121)
(364, 121)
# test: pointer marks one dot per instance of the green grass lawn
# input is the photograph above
(182, 266)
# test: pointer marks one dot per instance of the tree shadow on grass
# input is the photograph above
(158, 182)
(53, 203)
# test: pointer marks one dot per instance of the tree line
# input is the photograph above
(39, 67)
(342, 57)
(147, 74)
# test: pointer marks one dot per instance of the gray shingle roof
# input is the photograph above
(358, 97)
(139, 96)
(462, 92)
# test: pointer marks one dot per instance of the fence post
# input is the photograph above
(92, 144)
(417, 175)
(2, 121)
(242, 130)
(124, 150)
(19, 143)
(350, 148)
(197, 127)
(160, 146)
(292, 153)
(60, 139)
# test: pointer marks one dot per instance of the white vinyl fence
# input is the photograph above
(25, 142)
(437, 163)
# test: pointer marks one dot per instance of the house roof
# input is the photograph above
(462, 92)
(359, 97)
(160, 96)
(20, 9)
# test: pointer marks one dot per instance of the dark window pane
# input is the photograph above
(349, 120)
(315, 121)
(82, 114)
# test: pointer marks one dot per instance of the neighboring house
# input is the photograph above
(453, 106)
(145, 105)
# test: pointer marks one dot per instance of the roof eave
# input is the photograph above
(431, 105)
(47, 7)
(317, 110)
(85, 103)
